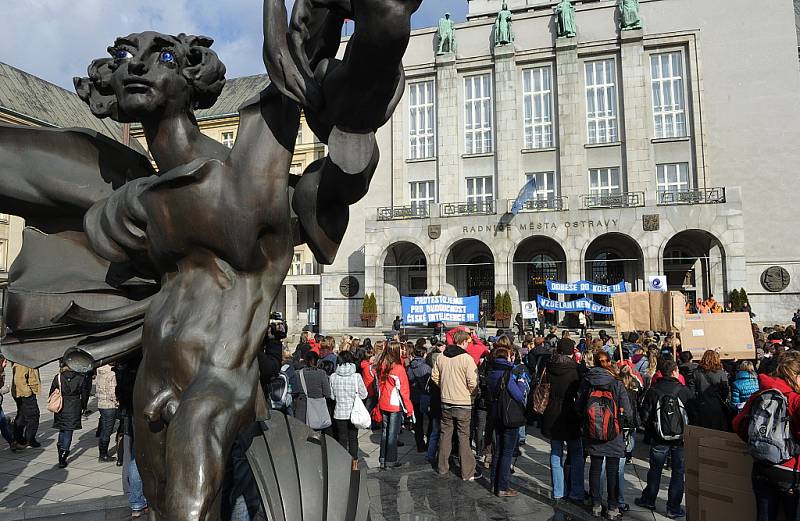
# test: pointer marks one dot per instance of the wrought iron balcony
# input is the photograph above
(696, 196)
(553, 204)
(392, 213)
(621, 200)
(474, 208)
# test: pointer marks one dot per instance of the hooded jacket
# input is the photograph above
(418, 375)
(743, 387)
(516, 389)
(599, 377)
(561, 420)
(72, 393)
(346, 384)
(742, 421)
(456, 375)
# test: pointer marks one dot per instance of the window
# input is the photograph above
(421, 116)
(422, 195)
(299, 139)
(3, 217)
(480, 189)
(545, 185)
(227, 139)
(669, 102)
(537, 102)
(673, 177)
(478, 114)
(297, 263)
(601, 101)
(604, 181)
(3, 256)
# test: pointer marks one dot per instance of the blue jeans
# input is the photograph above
(576, 462)
(5, 431)
(771, 487)
(108, 417)
(505, 441)
(389, 433)
(64, 440)
(131, 480)
(658, 455)
(421, 406)
(433, 440)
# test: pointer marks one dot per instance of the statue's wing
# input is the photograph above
(61, 295)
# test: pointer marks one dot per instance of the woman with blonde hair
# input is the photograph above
(775, 486)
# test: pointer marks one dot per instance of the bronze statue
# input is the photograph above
(187, 262)
(629, 14)
(503, 33)
(565, 19)
(446, 35)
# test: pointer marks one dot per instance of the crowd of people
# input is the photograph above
(470, 402)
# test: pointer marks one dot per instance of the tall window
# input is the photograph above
(669, 102)
(421, 136)
(227, 139)
(478, 114)
(297, 263)
(480, 189)
(673, 177)
(299, 139)
(422, 195)
(545, 185)
(604, 181)
(3, 257)
(601, 101)
(537, 101)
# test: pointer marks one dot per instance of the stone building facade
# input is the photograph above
(668, 150)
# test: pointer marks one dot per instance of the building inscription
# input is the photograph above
(599, 224)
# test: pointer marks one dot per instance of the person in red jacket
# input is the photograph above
(394, 402)
(775, 486)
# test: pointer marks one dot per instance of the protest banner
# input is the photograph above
(573, 306)
(423, 310)
(584, 287)
(731, 334)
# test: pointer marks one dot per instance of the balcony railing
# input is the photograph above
(622, 200)
(475, 208)
(304, 268)
(392, 213)
(553, 204)
(697, 196)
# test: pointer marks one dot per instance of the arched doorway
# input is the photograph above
(405, 274)
(612, 258)
(694, 263)
(537, 260)
(470, 270)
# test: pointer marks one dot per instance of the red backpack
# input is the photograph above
(602, 414)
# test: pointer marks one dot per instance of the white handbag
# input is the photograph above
(359, 416)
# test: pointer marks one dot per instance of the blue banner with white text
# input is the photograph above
(584, 287)
(422, 310)
(573, 306)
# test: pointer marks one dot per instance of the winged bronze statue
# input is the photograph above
(183, 262)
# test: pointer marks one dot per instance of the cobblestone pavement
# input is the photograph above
(87, 490)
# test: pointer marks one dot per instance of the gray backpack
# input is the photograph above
(769, 431)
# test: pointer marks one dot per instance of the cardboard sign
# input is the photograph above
(729, 333)
(529, 310)
(648, 310)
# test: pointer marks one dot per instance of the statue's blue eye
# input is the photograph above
(122, 54)
(167, 57)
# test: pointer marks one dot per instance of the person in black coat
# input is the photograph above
(74, 394)
(561, 422)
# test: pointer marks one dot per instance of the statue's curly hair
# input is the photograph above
(201, 67)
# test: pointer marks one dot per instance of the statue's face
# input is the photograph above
(147, 77)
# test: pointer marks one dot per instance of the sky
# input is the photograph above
(57, 39)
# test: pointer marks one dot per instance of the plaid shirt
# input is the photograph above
(344, 388)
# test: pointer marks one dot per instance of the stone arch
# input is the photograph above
(695, 262)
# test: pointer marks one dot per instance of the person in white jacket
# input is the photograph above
(347, 386)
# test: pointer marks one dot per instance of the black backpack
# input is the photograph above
(511, 413)
(670, 419)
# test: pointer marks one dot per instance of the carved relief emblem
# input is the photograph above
(434, 231)
(775, 279)
(348, 287)
(651, 223)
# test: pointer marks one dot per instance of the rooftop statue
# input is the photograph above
(629, 14)
(565, 19)
(185, 263)
(503, 33)
(446, 35)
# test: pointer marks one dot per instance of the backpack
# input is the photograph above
(671, 418)
(602, 414)
(511, 413)
(280, 395)
(769, 430)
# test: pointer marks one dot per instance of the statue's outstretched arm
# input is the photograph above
(51, 173)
